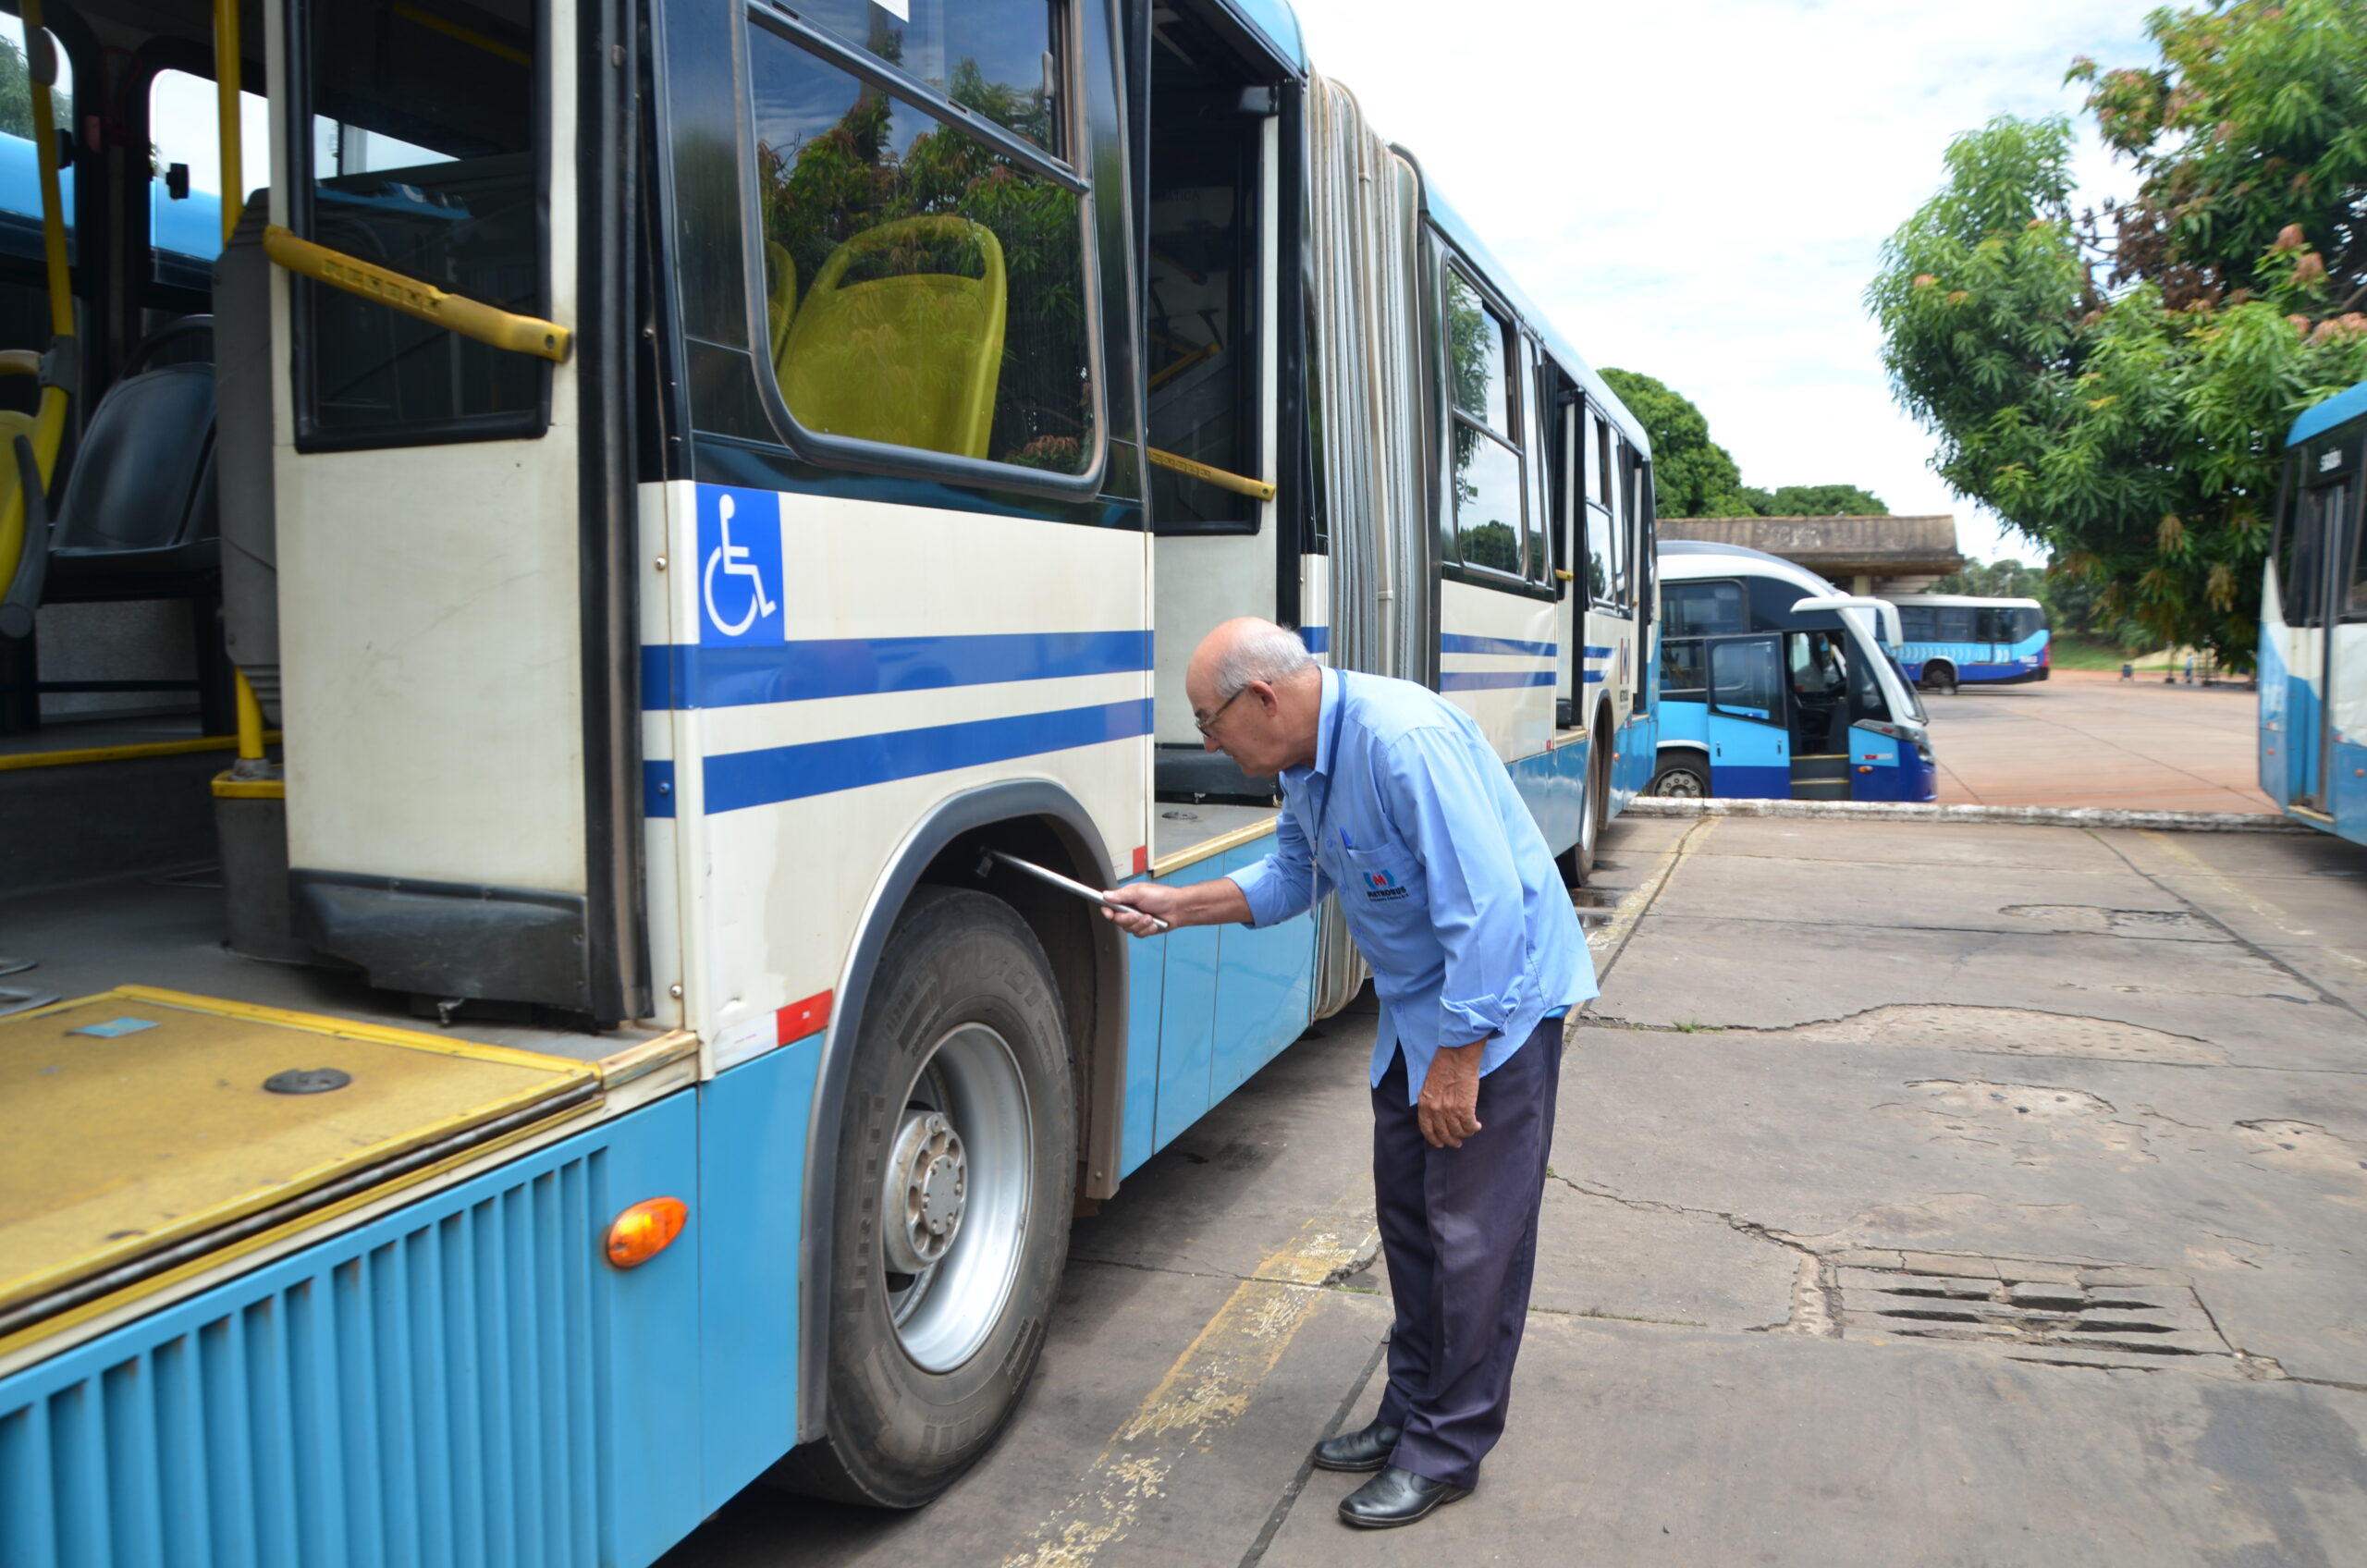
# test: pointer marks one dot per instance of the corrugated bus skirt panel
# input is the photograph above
(463, 1381)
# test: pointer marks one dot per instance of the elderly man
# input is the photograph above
(1393, 798)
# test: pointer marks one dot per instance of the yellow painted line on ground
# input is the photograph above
(1208, 1389)
(1612, 939)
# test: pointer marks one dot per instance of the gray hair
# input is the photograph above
(1260, 651)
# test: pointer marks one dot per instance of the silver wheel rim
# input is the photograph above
(953, 1199)
(1681, 784)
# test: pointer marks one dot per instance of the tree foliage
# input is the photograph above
(1815, 500)
(17, 95)
(2117, 387)
(1692, 475)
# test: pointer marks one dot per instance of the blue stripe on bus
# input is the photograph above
(1595, 653)
(675, 675)
(737, 780)
(1593, 675)
(1488, 681)
(1455, 642)
(1317, 638)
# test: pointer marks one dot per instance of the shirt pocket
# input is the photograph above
(1386, 883)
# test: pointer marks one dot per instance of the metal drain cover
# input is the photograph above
(2082, 1313)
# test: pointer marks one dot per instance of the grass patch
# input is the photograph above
(1697, 1027)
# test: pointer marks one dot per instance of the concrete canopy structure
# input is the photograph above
(1861, 555)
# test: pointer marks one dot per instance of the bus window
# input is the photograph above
(1615, 527)
(1200, 295)
(1703, 609)
(994, 57)
(1487, 479)
(1536, 554)
(1955, 623)
(185, 230)
(1683, 671)
(926, 289)
(421, 157)
(1745, 680)
(19, 176)
(1866, 699)
(2303, 584)
(2354, 603)
(1915, 623)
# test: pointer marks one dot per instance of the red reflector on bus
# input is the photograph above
(646, 1229)
(800, 1019)
(1142, 859)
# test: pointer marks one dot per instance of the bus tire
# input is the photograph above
(1682, 780)
(1939, 675)
(957, 1154)
(1576, 862)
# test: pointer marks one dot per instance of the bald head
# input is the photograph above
(1257, 693)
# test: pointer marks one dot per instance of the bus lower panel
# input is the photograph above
(2349, 796)
(465, 1380)
(1554, 786)
(1208, 1006)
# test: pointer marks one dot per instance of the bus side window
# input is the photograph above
(2354, 603)
(1746, 677)
(1865, 689)
(1600, 545)
(417, 150)
(1915, 623)
(926, 286)
(1684, 672)
(1955, 623)
(1702, 610)
(1487, 458)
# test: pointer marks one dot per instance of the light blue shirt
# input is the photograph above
(1446, 883)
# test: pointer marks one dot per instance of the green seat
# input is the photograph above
(780, 301)
(912, 359)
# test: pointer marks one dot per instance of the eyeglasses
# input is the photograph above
(1207, 725)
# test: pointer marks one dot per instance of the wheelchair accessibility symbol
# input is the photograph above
(732, 582)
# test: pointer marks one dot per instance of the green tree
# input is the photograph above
(1692, 475)
(17, 95)
(1818, 500)
(2120, 396)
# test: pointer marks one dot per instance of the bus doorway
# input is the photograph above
(1211, 229)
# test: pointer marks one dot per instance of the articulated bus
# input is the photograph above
(2314, 625)
(1954, 638)
(1776, 685)
(590, 560)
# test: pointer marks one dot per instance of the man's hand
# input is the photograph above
(1151, 898)
(1449, 1108)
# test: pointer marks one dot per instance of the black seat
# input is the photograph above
(138, 518)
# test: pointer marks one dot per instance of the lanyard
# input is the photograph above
(1330, 787)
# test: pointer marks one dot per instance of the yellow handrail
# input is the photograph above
(1258, 489)
(49, 420)
(485, 323)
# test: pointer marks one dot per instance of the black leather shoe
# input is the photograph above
(1396, 1497)
(1368, 1450)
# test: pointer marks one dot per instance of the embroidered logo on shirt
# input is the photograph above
(1381, 885)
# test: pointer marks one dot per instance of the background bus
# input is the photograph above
(2314, 625)
(655, 505)
(1950, 639)
(1775, 686)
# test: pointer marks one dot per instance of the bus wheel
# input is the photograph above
(1681, 780)
(1576, 862)
(956, 1172)
(1940, 675)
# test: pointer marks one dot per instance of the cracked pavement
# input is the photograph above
(1966, 1194)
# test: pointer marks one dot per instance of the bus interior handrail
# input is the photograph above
(470, 318)
(1240, 485)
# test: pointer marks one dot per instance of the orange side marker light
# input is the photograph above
(646, 1229)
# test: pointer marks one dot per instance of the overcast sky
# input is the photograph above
(1700, 191)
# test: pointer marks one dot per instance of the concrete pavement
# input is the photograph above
(2085, 738)
(1923, 1194)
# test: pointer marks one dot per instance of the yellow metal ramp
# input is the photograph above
(141, 1130)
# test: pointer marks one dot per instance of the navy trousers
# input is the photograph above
(1459, 1230)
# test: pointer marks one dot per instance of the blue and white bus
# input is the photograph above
(2314, 625)
(1952, 639)
(1774, 685)
(645, 499)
